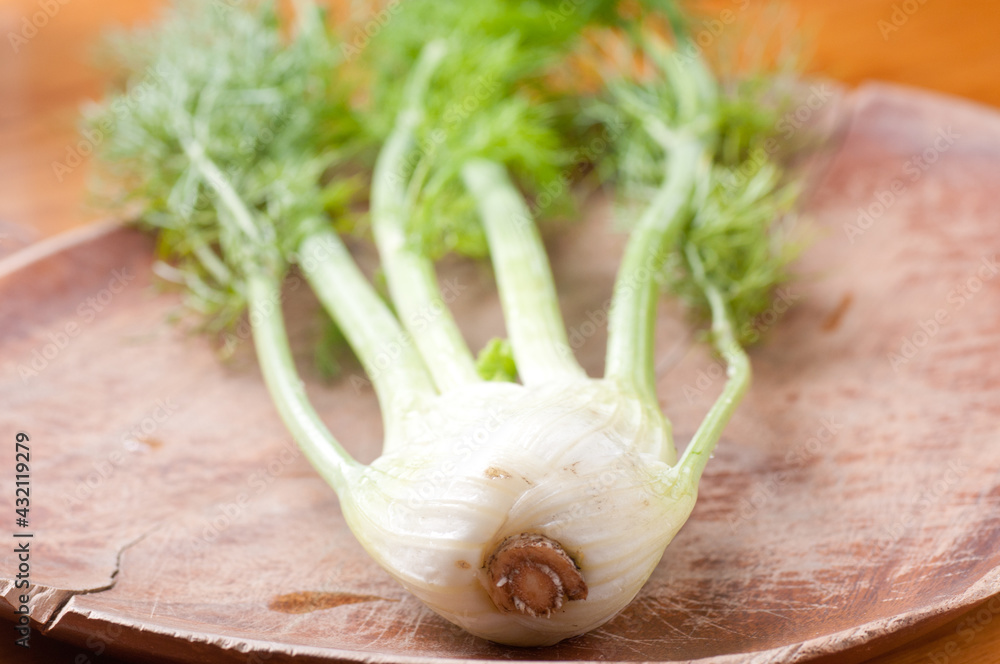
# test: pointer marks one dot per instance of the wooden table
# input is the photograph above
(47, 72)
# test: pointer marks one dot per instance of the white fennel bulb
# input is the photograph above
(525, 515)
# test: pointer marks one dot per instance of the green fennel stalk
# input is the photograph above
(410, 274)
(233, 217)
(527, 293)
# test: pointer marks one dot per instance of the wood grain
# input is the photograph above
(947, 46)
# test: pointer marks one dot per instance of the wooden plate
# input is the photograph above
(853, 501)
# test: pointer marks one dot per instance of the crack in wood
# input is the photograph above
(63, 596)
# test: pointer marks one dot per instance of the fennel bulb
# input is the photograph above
(571, 473)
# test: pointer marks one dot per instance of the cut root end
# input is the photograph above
(532, 574)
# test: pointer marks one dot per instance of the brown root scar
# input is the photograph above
(533, 575)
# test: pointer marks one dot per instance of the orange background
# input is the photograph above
(947, 45)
